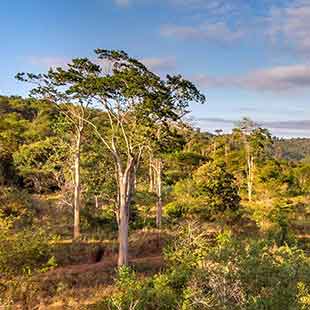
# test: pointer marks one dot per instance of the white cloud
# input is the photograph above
(122, 3)
(160, 64)
(290, 26)
(47, 61)
(219, 6)
(276, 79)
(218, 31)
(212, 6)
(285, 26)
(285, 128)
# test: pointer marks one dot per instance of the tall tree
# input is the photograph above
(136, 100)
(133, 98)
(62, 88)
(256, 141)
(167, 141)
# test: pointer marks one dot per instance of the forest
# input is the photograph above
(111, 199)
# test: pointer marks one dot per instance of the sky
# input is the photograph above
(249, 57)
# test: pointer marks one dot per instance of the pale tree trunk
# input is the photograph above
(226, 148)
(126, 187)
(134, 177)
(151, 176)
(77, 187)
(250, 162)
(123, 227)
(159, 193)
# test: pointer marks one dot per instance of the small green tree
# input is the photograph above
(210, 193)
(218, 186)
(302, 174)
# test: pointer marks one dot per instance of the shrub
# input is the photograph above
(223, 273)
(98, 219)
(237, 274)
(147, 294)
(15, 205)
(24, 252)
(210, 194)
(282, 232)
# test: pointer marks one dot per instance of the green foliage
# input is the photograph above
(24, 252)
(181, 165)
(151, 294)
(244, 274)
(294, 149)
(303, 296)
(190, 246)
(22, 122)
(177, 210)
(280, 216)
(210, 193)
(141, 211)
(129, 116)
(16, 206)
(41, 163)
(217, 186)
(103, 219)
(225, 273)
(302, 174)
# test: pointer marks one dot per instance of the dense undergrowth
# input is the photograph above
(225, 273)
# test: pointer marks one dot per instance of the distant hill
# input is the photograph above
(292, 149)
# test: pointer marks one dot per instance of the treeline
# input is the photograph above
(294, 149)
(191, 172)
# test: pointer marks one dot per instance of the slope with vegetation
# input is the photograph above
(110, 200)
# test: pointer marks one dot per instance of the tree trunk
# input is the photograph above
(159, 194)
(126, 187)
(77, 187)
(214, 148)
(151, 176)
(250, 177)
(96, 202)
(123, 227)
(226, 148)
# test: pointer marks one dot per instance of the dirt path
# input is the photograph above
(107, 264)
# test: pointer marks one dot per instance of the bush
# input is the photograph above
(224, 273)
(24, 252)
(15, 206)
(149, 294)
(245, 274)
(282, 232)
(209, 195)
(98, 219)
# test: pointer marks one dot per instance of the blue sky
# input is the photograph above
(250, 57)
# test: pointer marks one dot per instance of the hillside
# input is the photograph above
(292, 149)
(129, 207)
